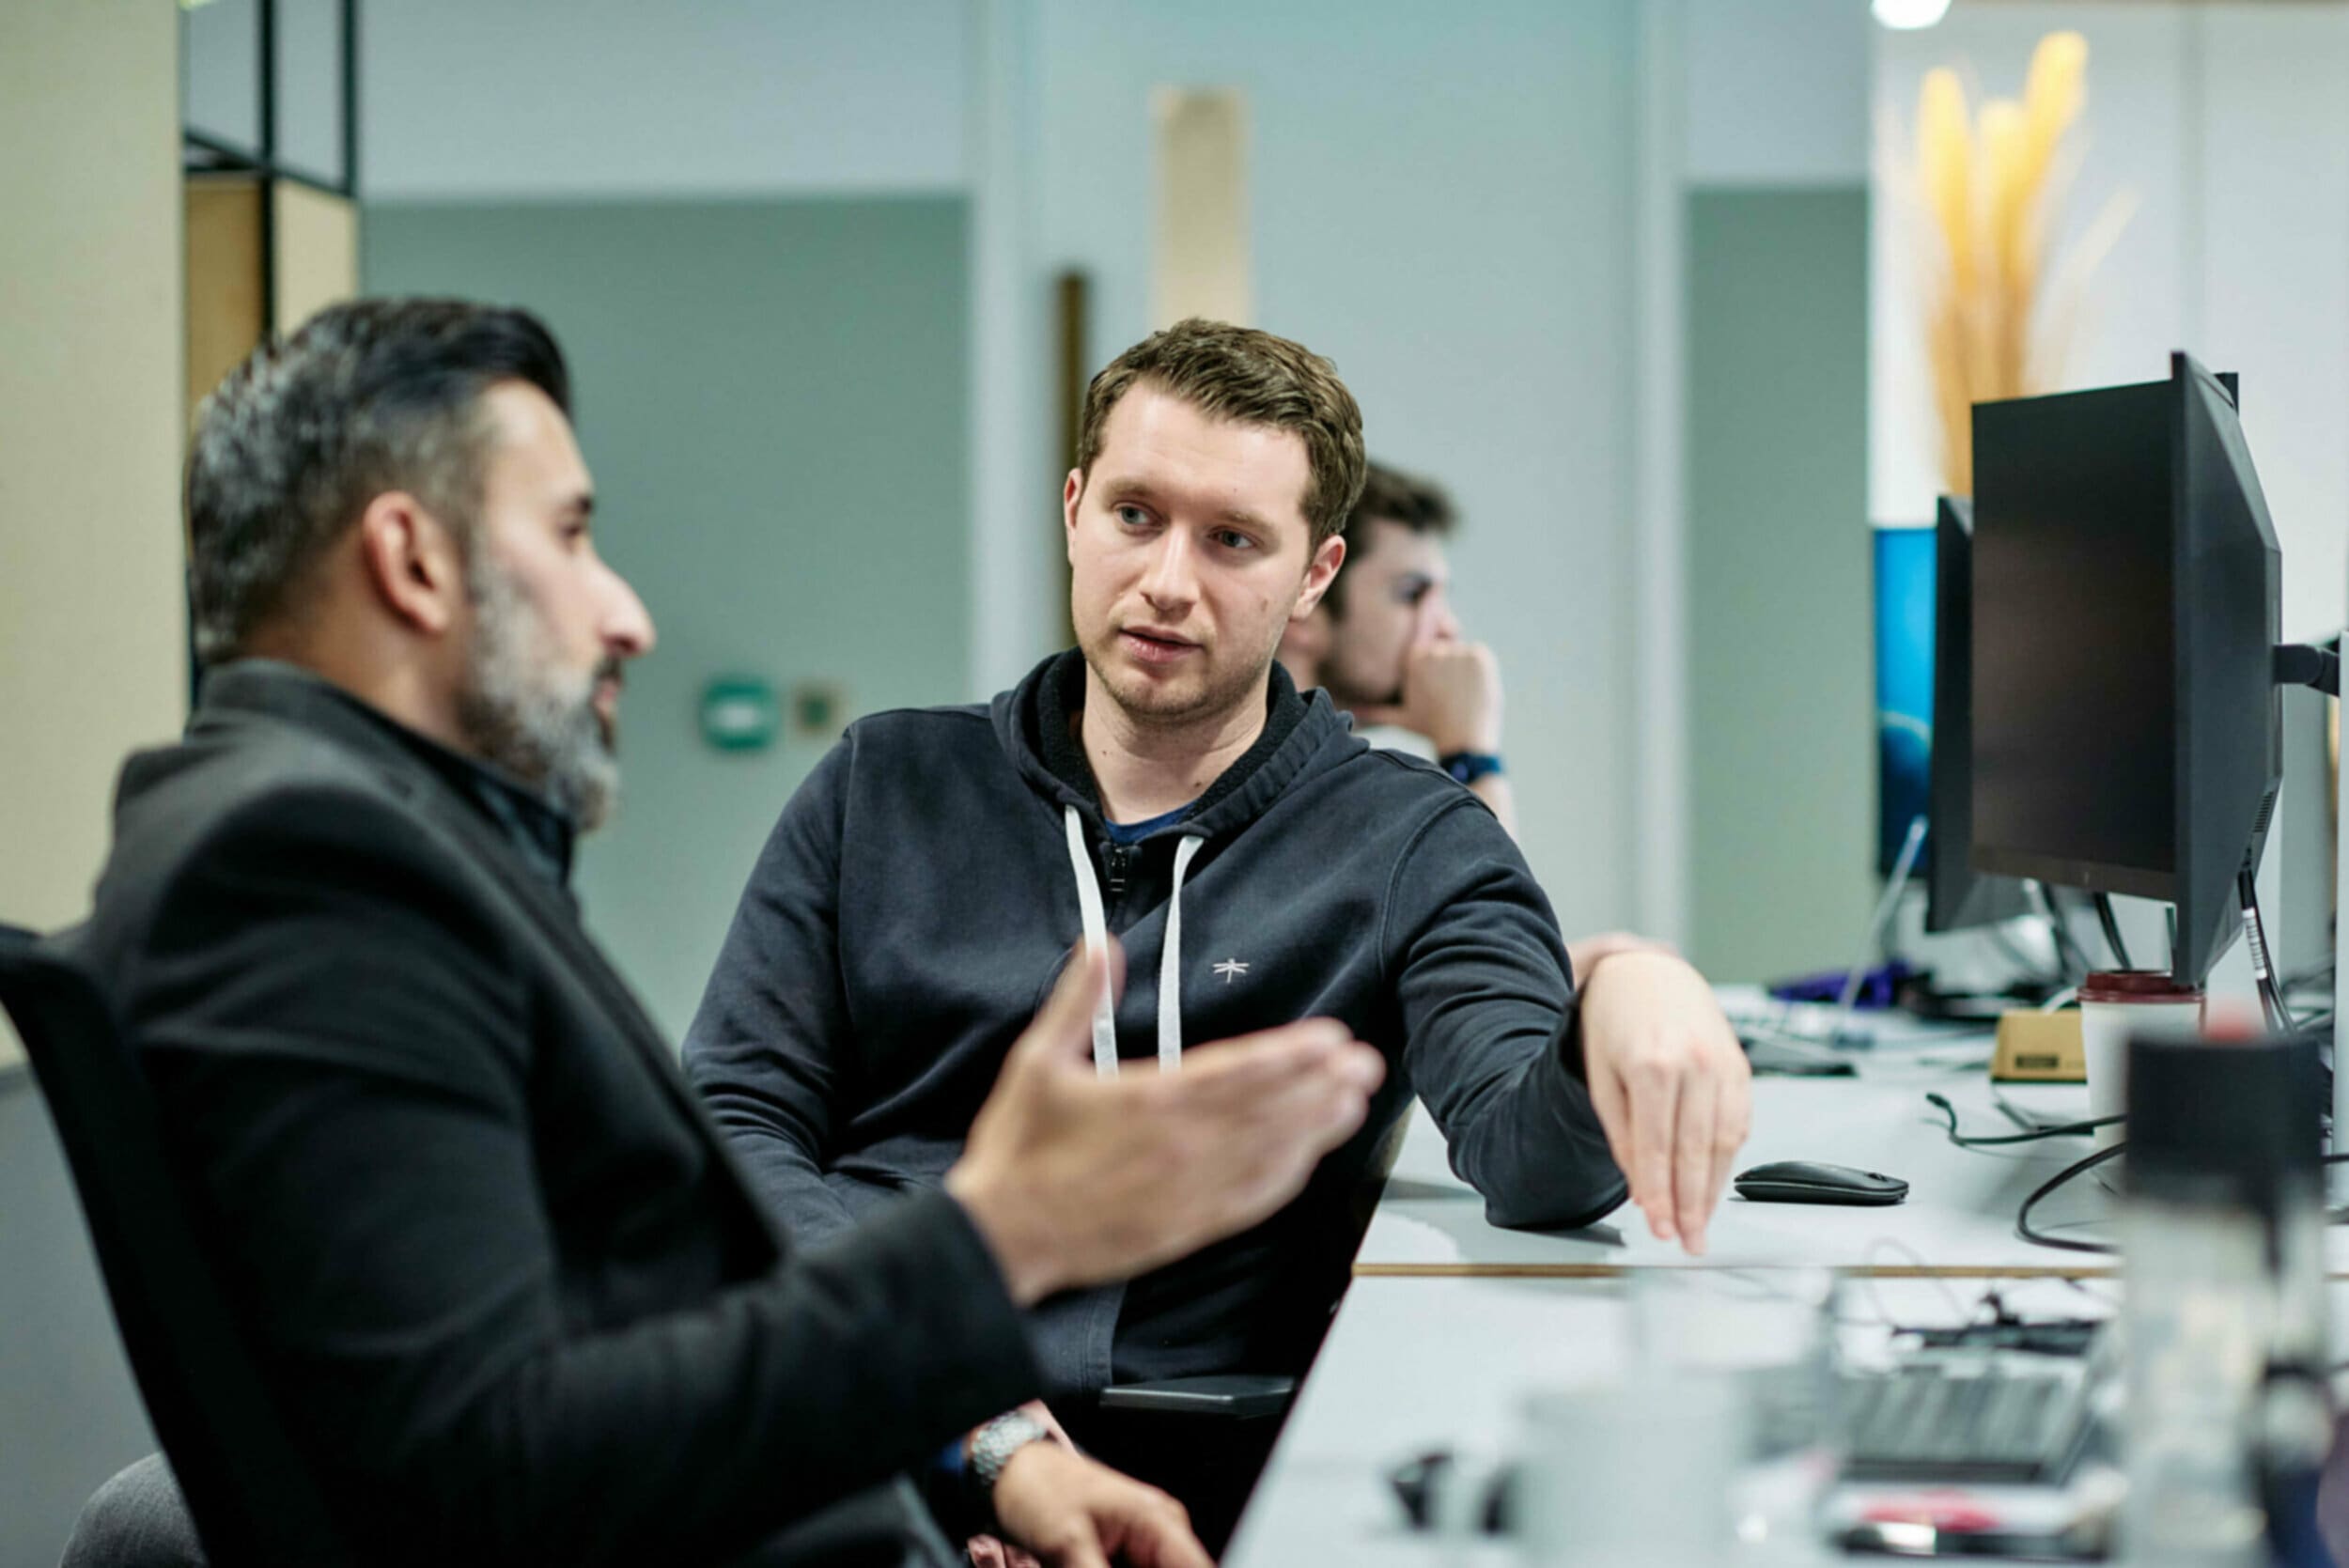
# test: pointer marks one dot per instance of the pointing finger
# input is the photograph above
(1653, 1094)
(1692, 1167)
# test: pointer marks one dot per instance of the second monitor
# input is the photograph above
(1957, 895)
(2126, 605)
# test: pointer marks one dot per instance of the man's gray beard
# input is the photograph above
(522, 713)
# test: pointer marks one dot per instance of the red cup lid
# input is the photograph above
(2135, 985)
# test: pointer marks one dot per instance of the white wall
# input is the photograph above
(593, 97)
(1777, 93)
(2230, 124)
(1442, 202)
(1474, 211)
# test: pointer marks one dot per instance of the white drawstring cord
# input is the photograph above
(1171, 966)
(1170, 953)
(1097, 941)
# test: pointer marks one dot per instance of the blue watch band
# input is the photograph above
(1469, 767)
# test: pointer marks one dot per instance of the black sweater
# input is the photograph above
(916, 901)
(508, 1287)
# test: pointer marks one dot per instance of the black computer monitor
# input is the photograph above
(2127, 726)
(1956, 896)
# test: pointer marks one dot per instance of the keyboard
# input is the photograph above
(1821, 1026)
(1970, 1417)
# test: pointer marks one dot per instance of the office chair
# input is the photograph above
(1229, 1420)
(253, 1498)
(1251, 1396)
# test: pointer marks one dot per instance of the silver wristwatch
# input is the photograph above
(992, 1445)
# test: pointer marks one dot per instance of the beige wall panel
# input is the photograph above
(317, 264)
(92, 630)
(224, 279)
(1201, 265)
(318, 253)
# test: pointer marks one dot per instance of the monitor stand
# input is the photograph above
(2341, 982)
(1880, 925)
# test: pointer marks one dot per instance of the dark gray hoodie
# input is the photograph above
(924, 887)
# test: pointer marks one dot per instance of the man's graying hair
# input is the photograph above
(370, 397)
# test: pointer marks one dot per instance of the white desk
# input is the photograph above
(1417, 1365)
(1450, 1322)
(1414, 1364)
(1958, 1218)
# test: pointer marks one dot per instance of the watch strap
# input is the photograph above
(993, 1444)
(1468, 766)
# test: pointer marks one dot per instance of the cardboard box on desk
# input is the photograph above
(2039, 1048)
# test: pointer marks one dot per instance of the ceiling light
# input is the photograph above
(1907, 14)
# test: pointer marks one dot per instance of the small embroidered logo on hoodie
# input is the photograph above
(1229, 968)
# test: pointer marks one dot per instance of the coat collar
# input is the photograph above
(542, 835)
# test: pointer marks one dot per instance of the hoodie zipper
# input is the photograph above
(1119, 861)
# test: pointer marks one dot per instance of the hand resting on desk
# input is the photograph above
(1671, 1086)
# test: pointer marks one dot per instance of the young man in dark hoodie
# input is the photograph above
(1164, 782)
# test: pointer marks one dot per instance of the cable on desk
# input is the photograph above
(2255, 938)
(2061, 1129)
(1958, 1309)
(2088, 1288)
(2070, 957)
(2040, 1238)
(2111, 923)
(2025, 963)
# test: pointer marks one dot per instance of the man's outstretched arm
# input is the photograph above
(1548, 1098)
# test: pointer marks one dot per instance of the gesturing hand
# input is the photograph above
(1076, 1179)
(1669, 1084)
(1077, 1513)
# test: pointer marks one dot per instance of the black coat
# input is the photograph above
(498, 1267)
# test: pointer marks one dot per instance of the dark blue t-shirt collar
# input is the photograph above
(1134, 833)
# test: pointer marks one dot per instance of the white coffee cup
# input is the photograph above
(2116, 1004)
(1631, 1472)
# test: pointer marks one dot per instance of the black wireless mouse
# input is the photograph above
(1804, 1181)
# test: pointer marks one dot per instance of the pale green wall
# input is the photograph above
(773, 398)
(1782, 759)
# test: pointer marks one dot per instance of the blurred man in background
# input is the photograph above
(1385, 643)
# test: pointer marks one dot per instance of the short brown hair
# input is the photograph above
(1390, 495)
(1250, 377)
